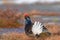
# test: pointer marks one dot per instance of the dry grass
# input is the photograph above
(54, 29)
(15, 36)
(45, 13)
(9, 17)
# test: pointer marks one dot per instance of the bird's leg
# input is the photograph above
(37, 36)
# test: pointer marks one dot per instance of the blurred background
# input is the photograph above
(12, 11)
(26, 1)
(12, 17)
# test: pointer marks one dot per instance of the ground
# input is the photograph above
(54, 29)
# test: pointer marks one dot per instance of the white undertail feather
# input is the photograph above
(37, 28)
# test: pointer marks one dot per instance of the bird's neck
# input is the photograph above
(28, 21)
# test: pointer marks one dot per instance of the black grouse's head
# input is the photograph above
(27, 19)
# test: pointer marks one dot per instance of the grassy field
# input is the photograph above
(9, 19)
(54, 29)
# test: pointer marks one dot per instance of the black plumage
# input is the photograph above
(28, 25)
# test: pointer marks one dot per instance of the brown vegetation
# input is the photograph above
(54, 29)
(44, 13)
(9, 17)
